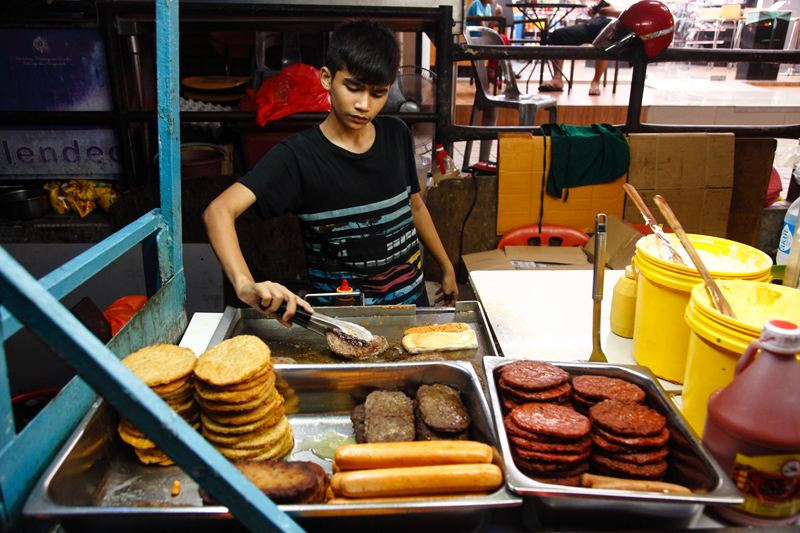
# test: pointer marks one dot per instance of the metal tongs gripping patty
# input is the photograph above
(319, 323)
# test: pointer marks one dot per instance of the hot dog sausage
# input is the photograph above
(418, 480)
(419, 453)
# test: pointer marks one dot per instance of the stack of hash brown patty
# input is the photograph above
(167, 369)
(242, 411)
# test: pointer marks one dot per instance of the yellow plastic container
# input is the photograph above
(660, 333)
(716, 341)
(623, 304)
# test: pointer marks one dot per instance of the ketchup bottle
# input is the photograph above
(753, 429)
(345, 293)
(443, 166)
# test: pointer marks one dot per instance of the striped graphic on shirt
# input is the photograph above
(374, 247)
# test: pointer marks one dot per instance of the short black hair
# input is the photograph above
(365, 48)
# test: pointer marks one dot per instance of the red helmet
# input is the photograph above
(649, 20)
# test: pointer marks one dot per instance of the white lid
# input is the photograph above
(780, 336)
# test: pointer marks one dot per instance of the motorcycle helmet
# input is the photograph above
(649, 20)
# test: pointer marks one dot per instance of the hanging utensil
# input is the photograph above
(321, 324)
(713, 289)
(597, 287)
(663, 241)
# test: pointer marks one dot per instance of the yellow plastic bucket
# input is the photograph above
(716, 341)
(660, 333)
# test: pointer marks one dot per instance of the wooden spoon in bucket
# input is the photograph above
(713, 289)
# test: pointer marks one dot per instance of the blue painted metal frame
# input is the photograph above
(35, 305)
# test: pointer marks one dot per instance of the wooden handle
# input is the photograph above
(718, 298)
(643, 209)
(651, 221)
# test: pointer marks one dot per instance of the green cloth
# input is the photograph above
(584, 155)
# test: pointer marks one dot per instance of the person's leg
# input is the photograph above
(556, 83)
(599, 69)
(566, 36)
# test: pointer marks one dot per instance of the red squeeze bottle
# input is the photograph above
(753, 429)
(345, 294)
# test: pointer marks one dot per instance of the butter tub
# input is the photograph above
(554, 507)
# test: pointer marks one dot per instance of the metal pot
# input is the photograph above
(24, 204)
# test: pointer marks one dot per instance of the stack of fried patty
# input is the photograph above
(525, 381)
(629, 440)
(283, 481)
(385, 416)
(441, 414)
(549, 443)
(242, 411)
(167, 369)
(589, 390)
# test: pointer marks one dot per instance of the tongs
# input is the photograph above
(319, 323)
(663, 240)
(597, 287)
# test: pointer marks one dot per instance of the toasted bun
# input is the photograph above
(452, 327)
(440, 341)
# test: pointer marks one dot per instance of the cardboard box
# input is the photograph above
(621, 240)
(692, 171)
(522, 160)
(527, 258)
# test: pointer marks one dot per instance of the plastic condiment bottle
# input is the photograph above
(623, 304)
(787, 233)
(753, 429)
(345, 293)
(443, 166)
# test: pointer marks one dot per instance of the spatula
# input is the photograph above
(713, 289)
(597, 287)
(663, 241)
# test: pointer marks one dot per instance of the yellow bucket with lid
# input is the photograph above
(660, 333)
(717, 341)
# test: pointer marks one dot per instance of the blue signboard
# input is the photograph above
(56, 70)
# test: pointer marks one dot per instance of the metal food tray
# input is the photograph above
(389, 321)
(97, 484)
(548, 506)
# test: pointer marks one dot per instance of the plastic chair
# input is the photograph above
(551, 235)
(527, 104)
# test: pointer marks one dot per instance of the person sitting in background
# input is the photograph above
(576, 35)
(483, 8)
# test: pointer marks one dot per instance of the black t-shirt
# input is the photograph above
(354, 209)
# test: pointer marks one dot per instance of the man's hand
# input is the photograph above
(266, 296)
(448, 292)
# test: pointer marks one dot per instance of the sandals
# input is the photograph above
(548, 87)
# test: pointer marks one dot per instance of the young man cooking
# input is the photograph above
(351, 180)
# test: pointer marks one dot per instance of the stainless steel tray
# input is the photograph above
(548, 506)
(388, 321)
(96, 483)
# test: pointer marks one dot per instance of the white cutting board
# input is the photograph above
(547, 314)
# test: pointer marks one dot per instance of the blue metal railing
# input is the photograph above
(35, 305)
